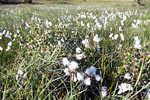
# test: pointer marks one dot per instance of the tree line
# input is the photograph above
(139, 2)
(26, 1)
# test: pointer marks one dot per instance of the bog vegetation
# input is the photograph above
(71, 52)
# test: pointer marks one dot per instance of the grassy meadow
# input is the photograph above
(75, 50)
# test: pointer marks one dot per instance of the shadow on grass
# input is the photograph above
(61, 2)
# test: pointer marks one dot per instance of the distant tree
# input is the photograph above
(84, 0)
(28, 1)
(139, 2)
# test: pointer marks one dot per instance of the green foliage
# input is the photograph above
(28, 1)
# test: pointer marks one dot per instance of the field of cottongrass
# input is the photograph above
(74, 53)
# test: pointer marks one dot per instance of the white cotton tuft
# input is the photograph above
(65, 62)
(17, 77)
(79, 56)
(10, 44)
(111, 35)
(91, 71)
(1, 48)
(80, 76)
(78, 50)
(66, 70)
(25, 76)
(115, 37)
(127, 76)
(124, 87)
(73, 66)
(97, 77)
(104, 91)
(137, 44)
(85, 42)
(87, 81)
(122, 37)
(8, 48)
(20, 72)
(96, 38)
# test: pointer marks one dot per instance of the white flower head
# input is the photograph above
(111, 35)
(1, 48)
(124, 87)
(127, 76)
(98, 26)
(111, 29)
(96, 38)
(59, 43)
(78, 50)
(82, 24)
(138, 22)
(10, 44)
(91, 71)
(85, 42)
(120, 46)
(25, 76)
(122, 37)
(120, 28)
(87, 81)
(62, 40)
(65, 62)
(8, 48)
(66, 70)
(4, 32)
(97, 77)
(79, 56)
(80, 76)
(134, 25)
(18, 31)
(73, 66)
(115, 37)
(137, 41)
(88, 25)
(20, 72)
(137, 44)
(136, 38)
(17, 77)
(48, 23)
(104, 91)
